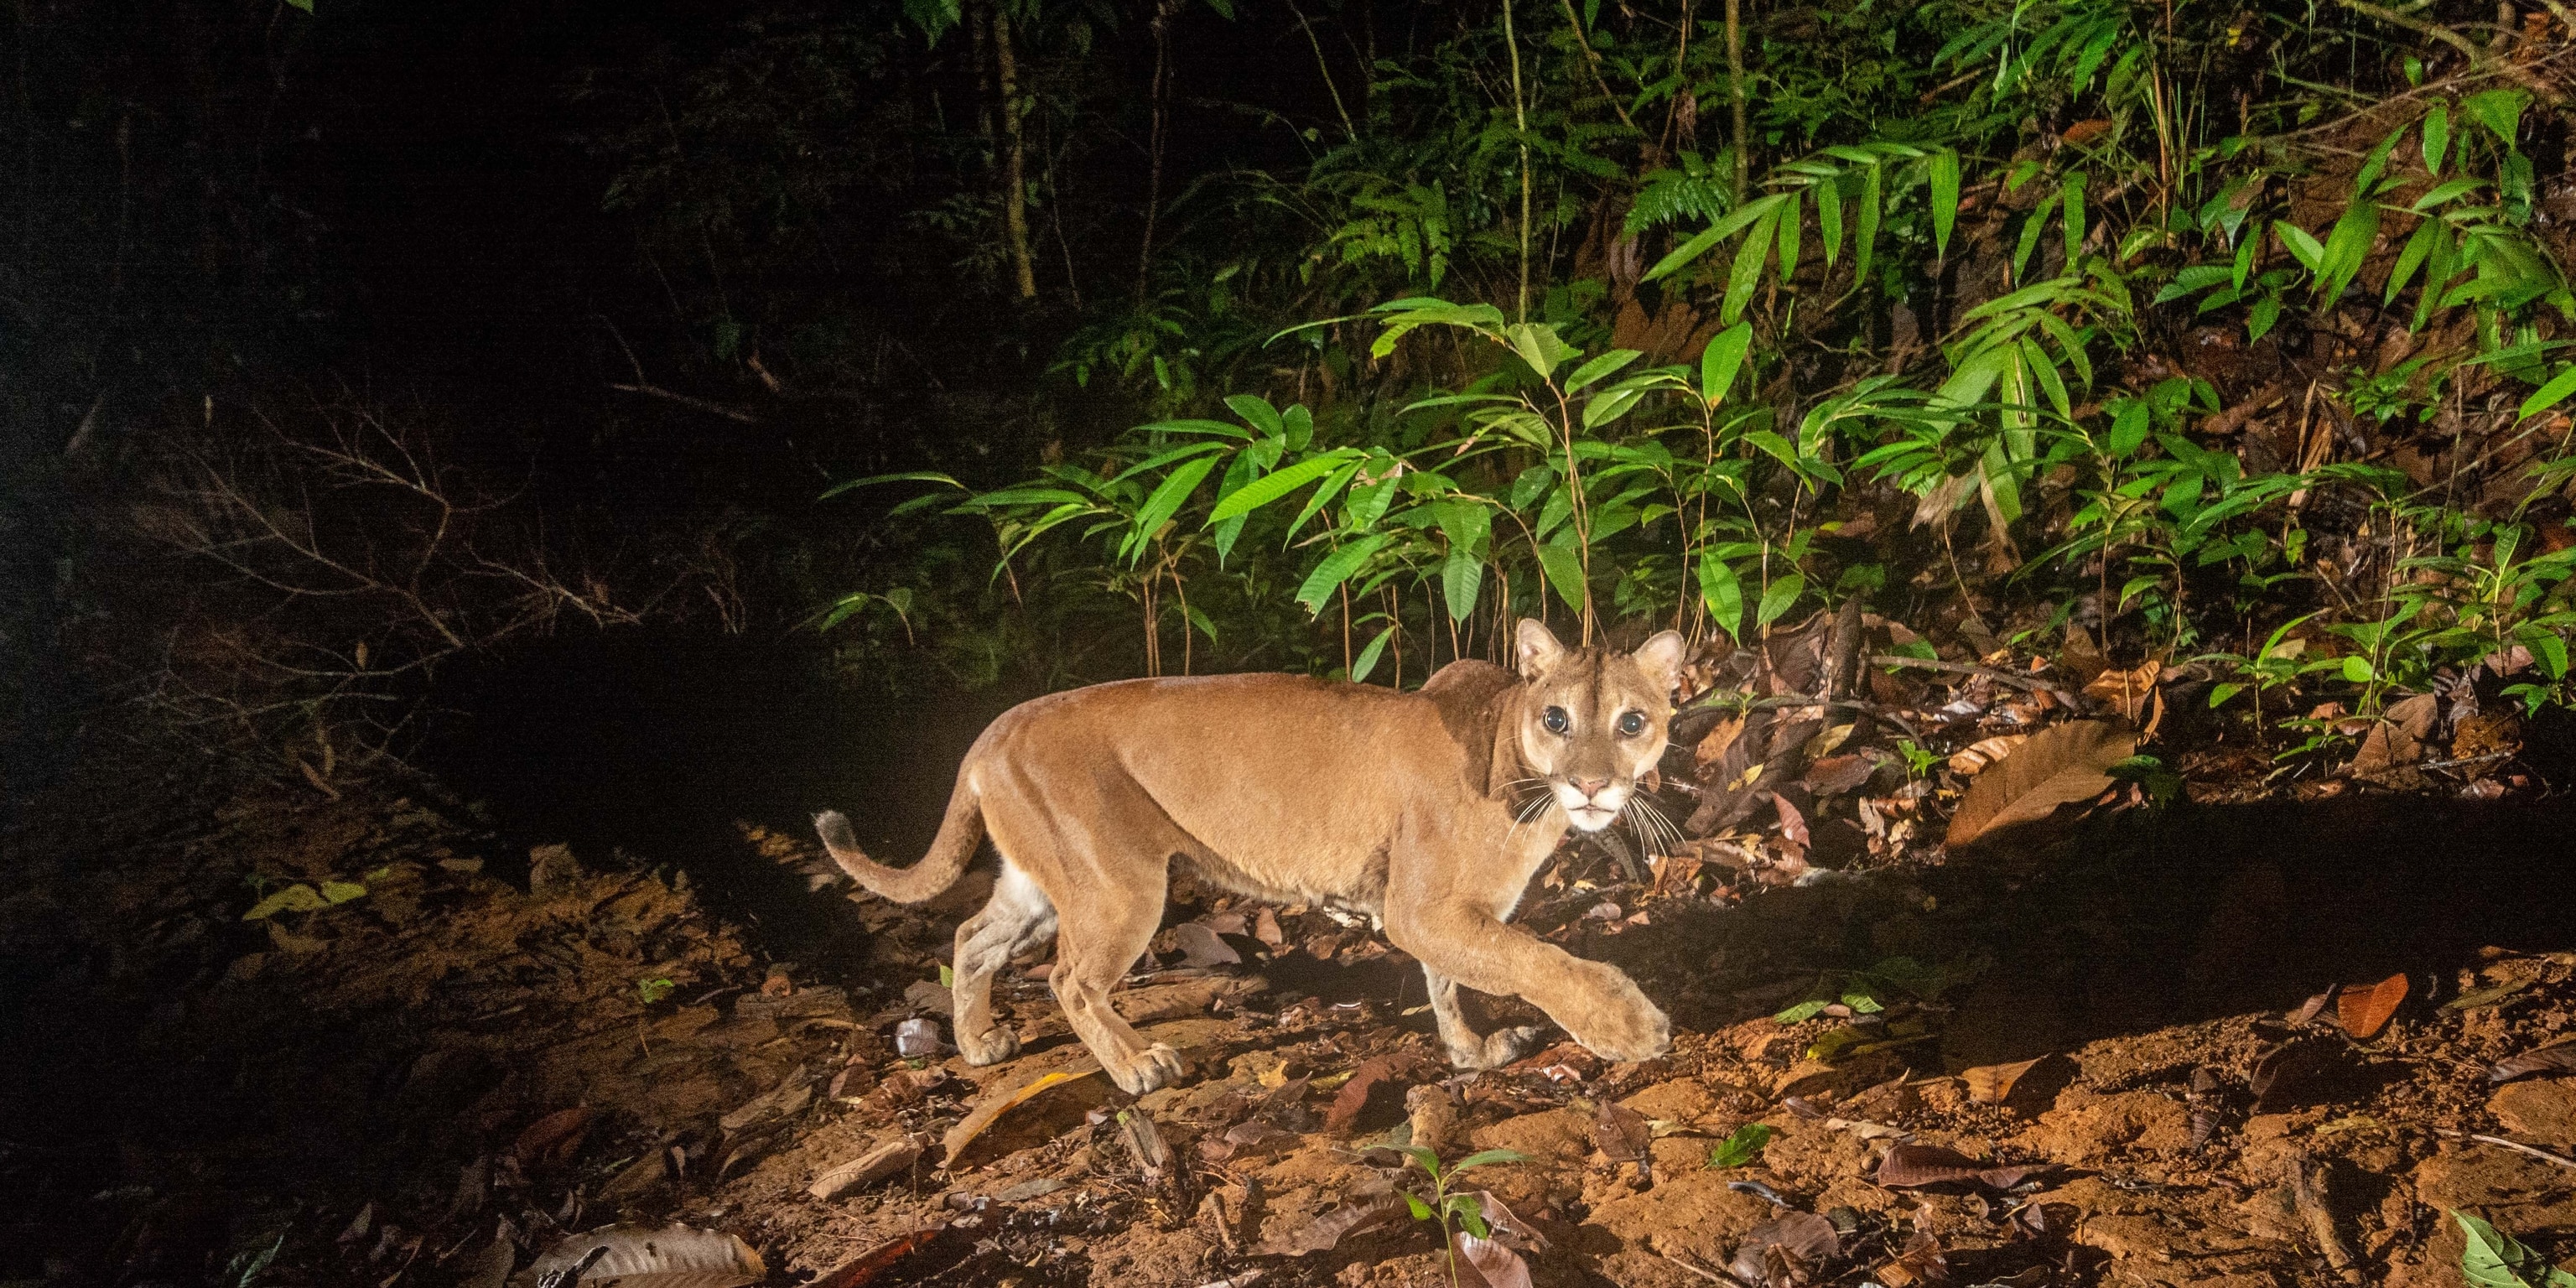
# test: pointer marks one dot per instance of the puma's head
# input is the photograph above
(1592, 720)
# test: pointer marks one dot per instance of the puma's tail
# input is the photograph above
(959, 834)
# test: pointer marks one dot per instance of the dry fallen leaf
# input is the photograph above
(863, 1269)
(1354, 1098)
(1326, 1232)
(1836, 774)
(993, 1107)
(1712, 748)
(1498, 1266)
(2293, 1072)
(2131, 693)
(2058, 766)
(1202, 946)
(2365, 1009)
(1621, 1133)
(553, 1139)
(1992, 1084)
(1970, 760)
(1795, 1241)
(2557, 1057)
(674, 1256)
(1915, 1166)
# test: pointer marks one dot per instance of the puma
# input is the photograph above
(1427, 810)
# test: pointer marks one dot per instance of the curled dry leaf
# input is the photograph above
(2557, 1057)
(1992, 1084)
(1496, 1264)
(1508, 1228)
(1622, 1134)
(1355, 1094)
(984, 1114)
(783, 1101)
(1909, 1167)
(1202, 946)
(1794, 1241)
(674, 1256)
(2132, 693)
(1971, 760)
(1326, 1232)
(2293, 1073)
(2365, 1009)
(2058, 766)
(553, 1139)
(2311, 1008)
(1836, 774)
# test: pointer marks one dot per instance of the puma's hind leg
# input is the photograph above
(1091, 953)
(1018, 917)
(1467, 1050)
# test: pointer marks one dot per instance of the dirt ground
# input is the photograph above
(435, 1080)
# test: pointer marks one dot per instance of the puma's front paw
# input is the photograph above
(1622, 1026)
(1155, 1067)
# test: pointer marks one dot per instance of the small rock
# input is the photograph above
(2542, 1111)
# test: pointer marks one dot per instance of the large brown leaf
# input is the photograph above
(2557, 1057)
(1326, 1232)
(637, 1256)
(1915, 1166)
(2056, 767)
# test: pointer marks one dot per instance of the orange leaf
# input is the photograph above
(983, 1115)
(2366, 1008)
(1992, 1084)
(1970, 761)
(2127, 692)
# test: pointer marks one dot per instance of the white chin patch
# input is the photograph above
(1589, 819)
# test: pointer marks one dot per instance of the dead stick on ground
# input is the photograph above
(2311, 1199)
(2030, 683)
(2514, 1145)
(1709, 1275)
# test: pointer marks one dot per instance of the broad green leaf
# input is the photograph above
(1488, 1158)
(1337, 568)
(1865, 228)
(1747, 272)
(1539, 345)
(1720, 362)
(2500, 110)
(2347, 246)
(1779, 597)
(2551, 394)
(1599, 367)
(1743, 1146)
(1168, 497)
(1276, 484)
(1723, 593)
(2411, 258)
(1610, 406)
(908, 476)
(1829, 216)
(1945, 198)
(2443, 193)
(2129, 428)
(1462, 579)
(1367, 660)
(337, 892)
(2261, 316)
(2030, 230)
(1323, 496)
(1256, 412)
(2244, 264)
(1564, 569)
(2437, 138)
(1727, 226)
(2306, 249)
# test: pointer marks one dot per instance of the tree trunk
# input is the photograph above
(1015, 165)
(1161, 100)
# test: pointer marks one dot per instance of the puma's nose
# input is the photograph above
(1590, 787)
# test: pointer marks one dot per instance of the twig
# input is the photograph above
(2023, 682)
(2320, 1219)
(1704, 1273)
(2438, 32)
(2514, 1145)
(686, 400)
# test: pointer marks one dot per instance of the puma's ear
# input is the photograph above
(1661, 657)
(1539, 652)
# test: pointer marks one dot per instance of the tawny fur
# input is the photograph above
(1430, 810)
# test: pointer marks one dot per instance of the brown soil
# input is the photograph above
(378, 1089)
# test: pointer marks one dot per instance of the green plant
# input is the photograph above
(1446, 1204)
(654, 990)
(2493, 1259)
(1741, 1146)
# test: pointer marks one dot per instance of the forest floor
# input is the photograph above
(447, 1055)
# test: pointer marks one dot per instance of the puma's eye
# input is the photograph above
(1632, 723)
(1554, 719)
